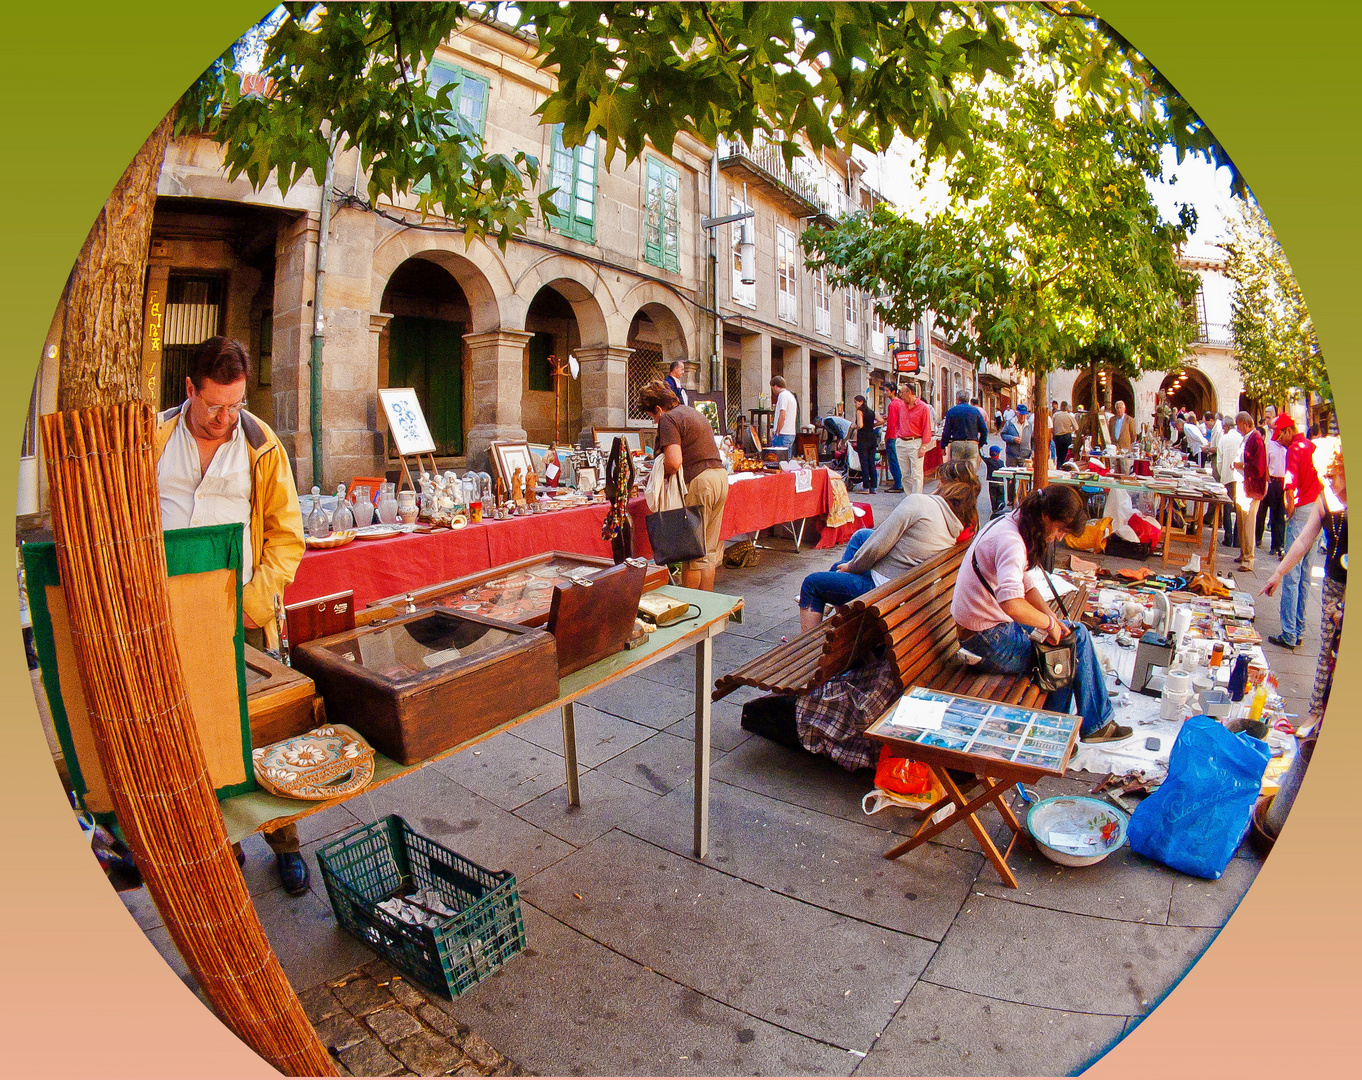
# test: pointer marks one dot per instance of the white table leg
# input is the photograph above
(570, 754)
(704, 677)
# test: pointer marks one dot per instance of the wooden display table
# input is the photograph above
(258, 811)
(981, 752)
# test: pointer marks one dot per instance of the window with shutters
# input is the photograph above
(468, 96)
(852, 331)
(822, 302)
(742, 294)
(539, 375)
(787, 295)
(573, 174)
(195, 311)
(662, 215)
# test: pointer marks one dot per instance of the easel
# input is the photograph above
(420, 464)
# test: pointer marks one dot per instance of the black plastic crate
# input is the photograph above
(374, 862)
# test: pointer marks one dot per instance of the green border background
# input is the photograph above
(83, 83)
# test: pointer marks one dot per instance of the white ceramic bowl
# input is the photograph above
(1075, 830)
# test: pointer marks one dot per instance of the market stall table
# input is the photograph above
(1002, 744)
(258, 810)
(835, 537)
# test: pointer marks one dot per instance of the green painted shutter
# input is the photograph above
(540, 370)
(427, 355)
(652, 212)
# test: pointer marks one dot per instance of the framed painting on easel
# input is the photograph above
(408, 428)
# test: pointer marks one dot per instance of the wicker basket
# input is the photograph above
(385, 859)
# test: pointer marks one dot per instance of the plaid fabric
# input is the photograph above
(1330, 631)
(831, 719)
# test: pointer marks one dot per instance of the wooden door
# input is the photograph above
(427, 355)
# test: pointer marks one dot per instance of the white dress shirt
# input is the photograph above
(1227, 453)
(222, 497)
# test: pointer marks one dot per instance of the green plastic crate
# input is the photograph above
(369, 864)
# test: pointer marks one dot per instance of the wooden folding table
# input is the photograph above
(996, 768)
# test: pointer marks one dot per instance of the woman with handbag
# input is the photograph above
(686, 444)
(996, 608)
(918, 528)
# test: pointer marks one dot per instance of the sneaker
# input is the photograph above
(1111, 731)
(1282, 643)
(894, 491)
(292, 872)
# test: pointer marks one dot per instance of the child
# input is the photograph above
(996, 494)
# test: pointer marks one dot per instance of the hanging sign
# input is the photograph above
(905, 361)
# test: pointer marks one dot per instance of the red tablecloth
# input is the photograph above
(843, 533)
(932, 462)
(758, 503)
(379, 568)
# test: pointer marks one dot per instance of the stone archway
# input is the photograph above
(1189, 388)
(1112, 387)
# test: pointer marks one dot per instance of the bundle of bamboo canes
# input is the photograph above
(107, 520)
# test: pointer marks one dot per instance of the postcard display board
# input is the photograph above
(1002, 744)
(204, 586)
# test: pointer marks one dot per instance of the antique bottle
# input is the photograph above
(344, 518)
(318, 521)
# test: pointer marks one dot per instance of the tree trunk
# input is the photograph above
(1040, 441)
(101, 341)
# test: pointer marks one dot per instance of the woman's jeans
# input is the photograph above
(1006, 650)
(834, 587)
(1296, 582)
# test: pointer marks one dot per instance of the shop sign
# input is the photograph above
(906, 361)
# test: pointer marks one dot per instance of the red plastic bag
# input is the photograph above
(1148, 531)
(901, 776)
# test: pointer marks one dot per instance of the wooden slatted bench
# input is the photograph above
(911, 618)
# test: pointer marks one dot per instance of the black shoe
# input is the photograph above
(893, 491)
(292, 872)
(1282, 643)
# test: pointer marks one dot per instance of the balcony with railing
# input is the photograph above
(1217, 334)
(761, 163)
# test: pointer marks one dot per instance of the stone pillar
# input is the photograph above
(605, 389)
(797, 379)
(496, 359)
(294, 259)
(828, 372)
(756, 369)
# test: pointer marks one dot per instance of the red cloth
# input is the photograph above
(1300, 471)
(896, 417)
(577, 531)
(917, 422)
(1148, 532)
(759, 503)
(932, 462)
(843, 533)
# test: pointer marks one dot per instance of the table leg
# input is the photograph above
(964, 811)
(1214, 548)
(570, 754)
(704, 678)
(1167, 527)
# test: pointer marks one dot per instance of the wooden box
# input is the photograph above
(420, 684)
(519, 592)
(278, 698)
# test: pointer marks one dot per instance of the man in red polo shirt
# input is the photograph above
(914, 438)
(1301, 488)
(894, 412)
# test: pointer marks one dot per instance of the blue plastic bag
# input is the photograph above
(1197, 818)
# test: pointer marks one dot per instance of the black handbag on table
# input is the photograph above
(678, 535)
(1052, 664)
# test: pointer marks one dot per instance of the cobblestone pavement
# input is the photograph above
(375, 1022)
(794, 948)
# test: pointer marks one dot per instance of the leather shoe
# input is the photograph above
(1282, 643)
(292, 872)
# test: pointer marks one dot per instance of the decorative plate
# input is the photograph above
(377, 532)
(335, 540)
(326, 763)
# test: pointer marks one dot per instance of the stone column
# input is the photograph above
(605, 389)
(496, 359)
(756, 369)
(829, 383)
(294, 259)
(797, 378)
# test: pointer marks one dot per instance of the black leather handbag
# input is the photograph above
(1052, 664)
(678, 535)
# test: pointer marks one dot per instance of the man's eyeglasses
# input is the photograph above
(214, 411)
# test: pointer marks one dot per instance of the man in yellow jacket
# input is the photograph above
(217, 464)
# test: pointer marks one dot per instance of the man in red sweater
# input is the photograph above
(1300, 490)
(1251, 471)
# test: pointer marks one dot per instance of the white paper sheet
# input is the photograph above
(803, 480)
(919, 714)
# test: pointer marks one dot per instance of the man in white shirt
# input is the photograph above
(787, 408)
(1272, 510)
(216, 465)
(1195, 439)
(1226, 454)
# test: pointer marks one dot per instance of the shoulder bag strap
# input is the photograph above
(974, 559)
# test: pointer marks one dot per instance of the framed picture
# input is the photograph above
(406, 421)
(507, 457)
(586, 479)
(605, 438)
(713, 408)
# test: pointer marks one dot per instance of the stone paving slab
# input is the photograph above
(600, 735)
(607, 803)
(759, 964)
(306, 938)
(1056, 960)
(506, 770)
(449, 814)
(1211, 903)
(643, 702)
(659, 765)
(1005, 1039)
(1122, 886)
(818, 859)
(570, 1006)
(726, 732)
